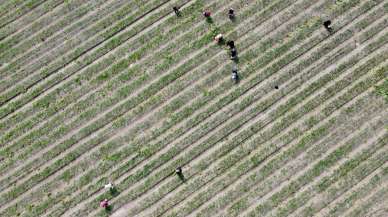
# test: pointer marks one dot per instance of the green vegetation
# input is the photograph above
(383, 89)
(104, 91)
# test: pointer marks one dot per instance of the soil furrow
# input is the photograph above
(220, 178)
(27, 21)
(96, 42)
(306, 192)
(336, 194)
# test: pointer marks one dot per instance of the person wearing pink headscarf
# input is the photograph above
(104, 203)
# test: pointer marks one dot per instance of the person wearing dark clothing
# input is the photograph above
(327, 25)
(233, 54)
(179, 173)
(231, 14)
(230, 44)
(206, 14)
(234, 74)
(176, 10)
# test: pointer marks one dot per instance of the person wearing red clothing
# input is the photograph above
(104, 204)
(207, 14)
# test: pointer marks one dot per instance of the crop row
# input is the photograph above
(240, 204)
(123, 78)
(351, 95)
(371, 205)
(5, 6)
(334, 156)
(49, 102)
(123, 155)
(127, 88)
(227, 162)
(74, 24)
(46, 101)
(16, 49)
(345, 202)
(201, 198)
(28, 21)
(52, 33)
(18, 12)
(344, 185)
(296, 165)
(106, 38)
(309, 176)
(223, 148)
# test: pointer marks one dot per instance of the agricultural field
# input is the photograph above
(124, 92)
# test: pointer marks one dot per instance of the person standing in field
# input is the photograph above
(104, 204)
(327, 25)
(233, 54)
(179, 173)
(231, 14)
(230, 44)
(206, 14)
(176, 10)
(111, 188)
(234, 74)
(219, 38)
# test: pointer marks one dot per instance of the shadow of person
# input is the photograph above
(327, 25)
(177, 11)
(181, 177)
(235, 59)
(209, 19)
(179, 173)
(109, 208)
(231, 15)
(113, 191)
(222, 42)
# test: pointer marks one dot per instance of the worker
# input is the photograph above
(179, 173)
(231, 14)
(207, 14)
(233, 54)
(234, 74)
(230, 44)
(219, 38)
(108, 186)
(327, 25)
(176, 10)
(111, 188)
(104, 204)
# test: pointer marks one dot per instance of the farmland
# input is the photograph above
(95, 91)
